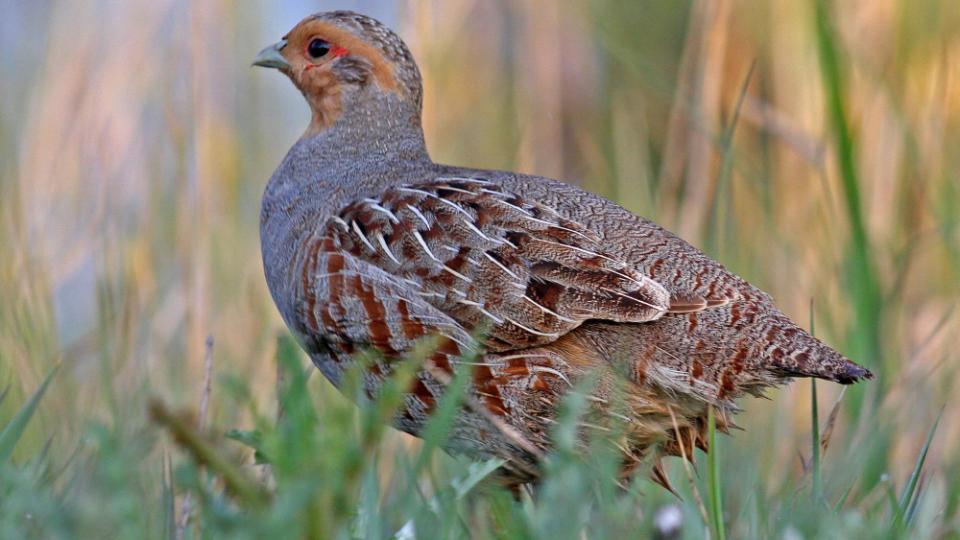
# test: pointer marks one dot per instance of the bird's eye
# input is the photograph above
(318, 48)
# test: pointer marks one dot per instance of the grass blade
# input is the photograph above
(168, 497)
(476, 473)
(713, 479)
(897, 524)
(843, 500)
(234, 478)
(907, 503)
(827, 433)
(862, 280)
(712, 224)
(14, 430)
(815, 441)
(815, 428)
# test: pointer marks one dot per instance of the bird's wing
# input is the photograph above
(346, 305)
(349, 305)
(491, 259)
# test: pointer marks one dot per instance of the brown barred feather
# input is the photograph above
(491, 259)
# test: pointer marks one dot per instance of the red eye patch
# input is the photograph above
(339, 51)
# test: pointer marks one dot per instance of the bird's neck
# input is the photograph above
(371, 146)
(371, 125)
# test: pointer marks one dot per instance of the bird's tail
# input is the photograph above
(793, 352)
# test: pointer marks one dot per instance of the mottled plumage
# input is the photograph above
(529, 282)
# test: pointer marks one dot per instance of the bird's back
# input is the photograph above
(739, 339)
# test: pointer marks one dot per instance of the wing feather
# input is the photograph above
(488, 257)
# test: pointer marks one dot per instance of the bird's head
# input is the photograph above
(341, 59)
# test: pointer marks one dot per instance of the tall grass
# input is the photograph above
(135, 143)
(860, 275)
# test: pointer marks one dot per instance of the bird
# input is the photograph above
(525, 287)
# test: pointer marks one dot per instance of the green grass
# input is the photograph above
(713, 478)
(810, 148)
(861, 274)
(319, 473)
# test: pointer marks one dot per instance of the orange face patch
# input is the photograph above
(343, 43)
(314, 75)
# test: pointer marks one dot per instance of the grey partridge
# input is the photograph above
(531, 283)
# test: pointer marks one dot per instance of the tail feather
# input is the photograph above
(795, 353)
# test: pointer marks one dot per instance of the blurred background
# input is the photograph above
(817, 157)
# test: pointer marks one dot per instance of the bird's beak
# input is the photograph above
(270, 57)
